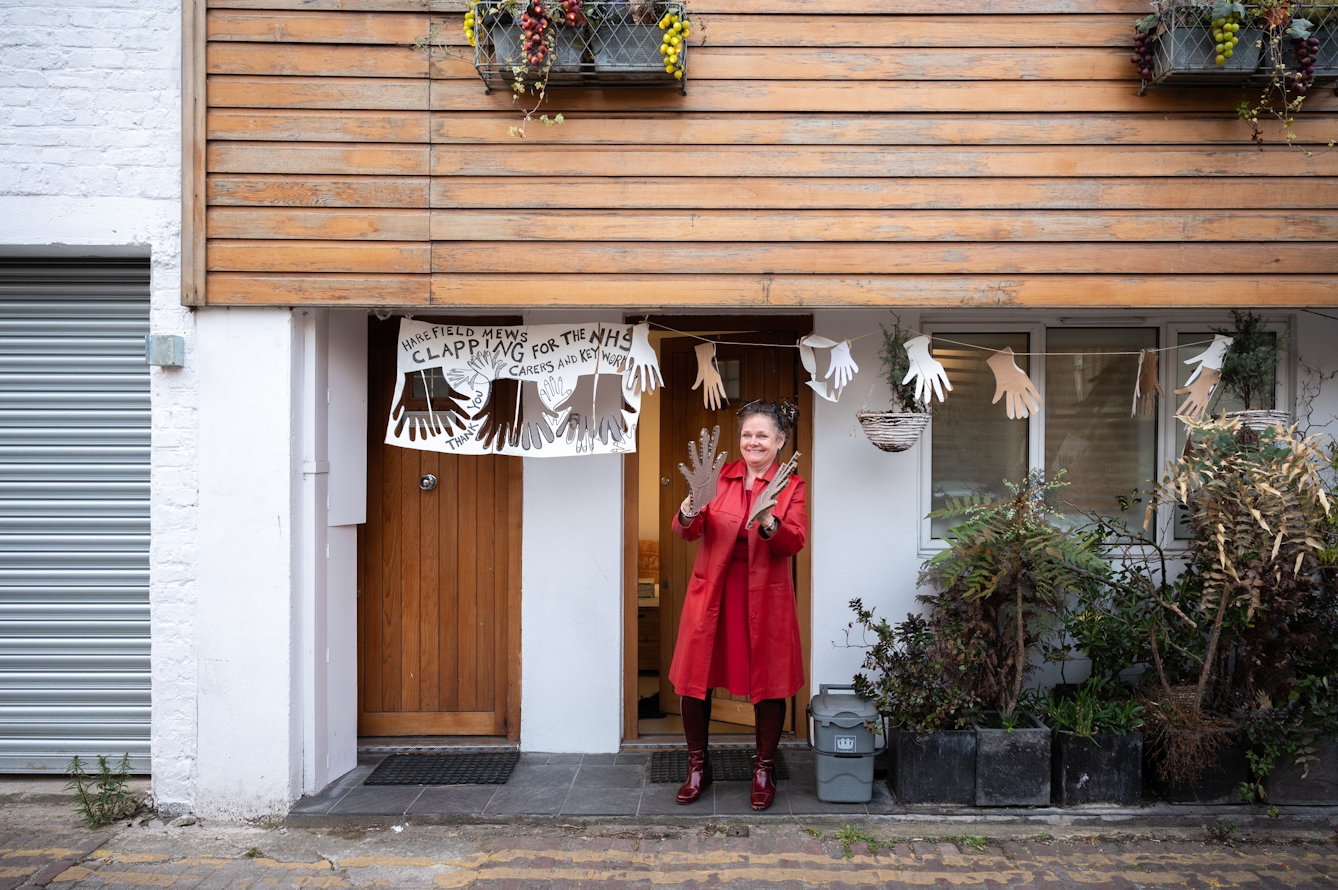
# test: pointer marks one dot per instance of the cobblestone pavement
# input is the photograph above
(53, 851)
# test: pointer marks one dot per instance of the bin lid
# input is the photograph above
(844, 707)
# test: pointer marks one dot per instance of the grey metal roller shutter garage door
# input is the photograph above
(74, 513)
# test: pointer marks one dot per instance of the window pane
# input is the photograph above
(976, 447)
(1088, 428)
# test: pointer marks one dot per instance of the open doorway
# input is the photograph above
(757, 361)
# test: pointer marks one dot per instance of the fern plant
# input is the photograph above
(1005, 577)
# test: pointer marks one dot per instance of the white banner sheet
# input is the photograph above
(531, 390)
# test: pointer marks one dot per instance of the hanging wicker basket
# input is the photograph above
(1260, 420)
(891, 430)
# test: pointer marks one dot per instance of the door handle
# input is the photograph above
(428, 482)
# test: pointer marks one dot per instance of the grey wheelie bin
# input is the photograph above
(839, 733)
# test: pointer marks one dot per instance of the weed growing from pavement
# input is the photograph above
(1042, 837)
(254, 853)
(977, 842)
(813, 832)
(849, 834)
(1222, 832)
(102, 798)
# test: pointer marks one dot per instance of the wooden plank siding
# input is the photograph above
(981, 154)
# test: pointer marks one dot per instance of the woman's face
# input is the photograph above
(760, 440)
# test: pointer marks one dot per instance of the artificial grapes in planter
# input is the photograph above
(1225, 31)
(676, 32)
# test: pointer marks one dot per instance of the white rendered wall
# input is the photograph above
(571, 615)
(90, 136)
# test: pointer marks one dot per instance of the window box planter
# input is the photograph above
(1013, 766)
(1217, 783)
(618, 46)
(1318, 789)
(1184, 52)
(934, 768)
(1105, 768)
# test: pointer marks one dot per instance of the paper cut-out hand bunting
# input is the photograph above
(763, 503)
(704, 473)
(1147, 389)
(595, 410)
(1198, 389)
(535, 426)
(1023, 399)
(926, 371)
(707, 372)
(642, 368)
(840, 364)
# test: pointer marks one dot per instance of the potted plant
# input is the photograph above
(1226, 632)
(1249, 370)
(1098, 750)
(900, 428)
(1294, 747)
(1004, 579)
(920, 681)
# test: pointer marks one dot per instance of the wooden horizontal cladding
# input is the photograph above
(318, 126)
(380, 94)
(685, 163)
(920, 258)
(870, 129)
(324, 289)
(271, 190)
(319, 256)
(282, 26)
(881, 226)
(761, 292)
(883, 97)
(652, 292)
(730, 7)
(319, 224)
(318, 158)
(890, 193)
(316, 60)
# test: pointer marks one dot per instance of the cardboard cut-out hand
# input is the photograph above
(705, 472)
(595, 410)
(642, 369)
(1198, 391)
(1146, 390)
(714, 394)
(1212, 358)
(1023, 399)
(534, 428)
(840, 364)
(926, 371)
(762, 504)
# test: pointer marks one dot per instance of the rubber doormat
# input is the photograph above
(729, 764)
(464, 768)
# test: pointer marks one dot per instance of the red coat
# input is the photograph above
(777, 666)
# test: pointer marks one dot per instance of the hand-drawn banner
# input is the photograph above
(533, 390)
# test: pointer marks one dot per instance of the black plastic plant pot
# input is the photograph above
(1105, 768)
(1217, 783)
(934, 768)
(1013, 765)
(1290, 784)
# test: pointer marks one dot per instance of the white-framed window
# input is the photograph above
(1085, 368)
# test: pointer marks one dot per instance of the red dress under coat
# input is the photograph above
(713, 607)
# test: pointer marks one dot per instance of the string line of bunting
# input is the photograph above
(572, 389)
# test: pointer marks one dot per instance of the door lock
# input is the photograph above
(428, 482)
(664, 480)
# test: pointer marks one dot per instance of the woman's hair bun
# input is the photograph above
(787, 411)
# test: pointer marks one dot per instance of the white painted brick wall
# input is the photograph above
(90, 112)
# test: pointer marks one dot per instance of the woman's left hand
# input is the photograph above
(763, 503)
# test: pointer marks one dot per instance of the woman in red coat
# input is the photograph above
(740, 626)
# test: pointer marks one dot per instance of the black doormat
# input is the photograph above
(464, 768)
(729, 765)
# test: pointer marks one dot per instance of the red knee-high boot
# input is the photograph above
(769, 717)
(696, 721)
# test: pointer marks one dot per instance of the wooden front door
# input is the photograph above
(761, 372)
(438, 581)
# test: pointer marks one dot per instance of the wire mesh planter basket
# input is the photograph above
(1184, 51)
(1324, 32)
(617, 44)
(893, 430)
(1261, 419)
